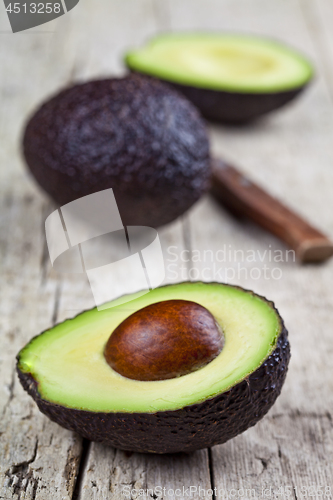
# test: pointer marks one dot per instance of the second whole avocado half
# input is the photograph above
(230, 77)
(135, 135)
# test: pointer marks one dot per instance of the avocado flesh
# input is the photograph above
(222, 62)
(68, 365)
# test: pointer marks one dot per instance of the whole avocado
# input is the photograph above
(203, 408)
(133, 134)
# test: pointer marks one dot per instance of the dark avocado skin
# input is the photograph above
(193, 427)
(235, 107)
(133, 134)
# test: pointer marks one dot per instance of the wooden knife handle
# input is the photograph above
(241, 196)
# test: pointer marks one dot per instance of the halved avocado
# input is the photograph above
(229, 77)
(66, 373)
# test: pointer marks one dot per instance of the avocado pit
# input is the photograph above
(164, 340)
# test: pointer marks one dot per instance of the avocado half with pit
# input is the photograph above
(230, 78)
(184, 367)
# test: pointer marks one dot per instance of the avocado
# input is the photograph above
(230, 77)
(133, 134)
(66, 372)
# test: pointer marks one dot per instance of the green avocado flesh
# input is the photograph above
(234, 63)
(68, 364)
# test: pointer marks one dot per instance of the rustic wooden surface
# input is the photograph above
(289, 153)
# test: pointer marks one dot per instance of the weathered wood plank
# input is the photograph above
(303, 296)
(110, 474)
(107, 471)
(288, 153)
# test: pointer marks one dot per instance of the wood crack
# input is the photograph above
(20, 476)
(294, 491)
(86, 447)
(211, 473)
(279, 452)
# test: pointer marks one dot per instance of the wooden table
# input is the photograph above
(290, 153)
